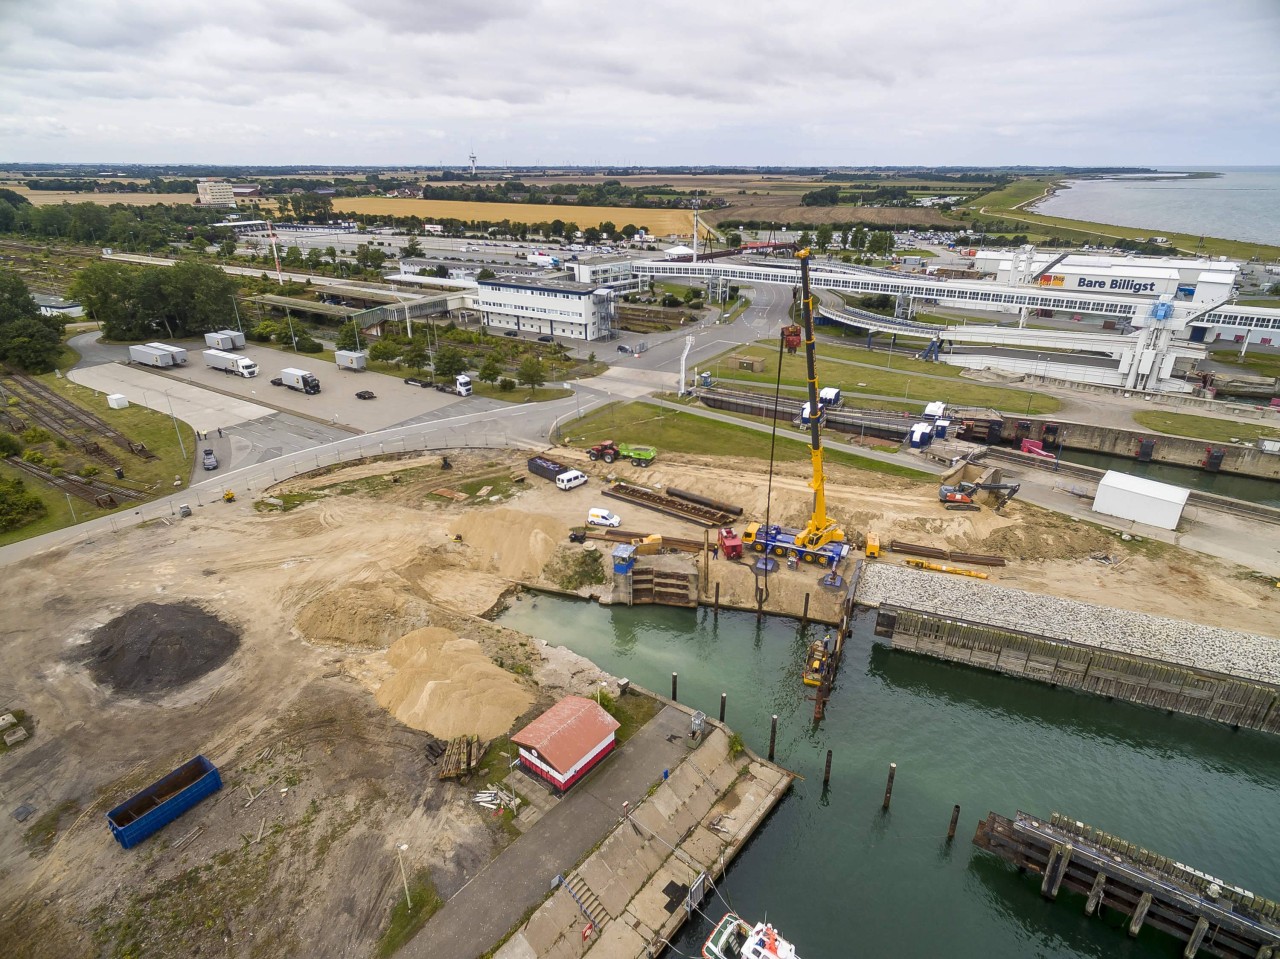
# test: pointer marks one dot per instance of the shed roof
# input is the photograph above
(567, 731)
(1145, 487)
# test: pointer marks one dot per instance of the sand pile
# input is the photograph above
(515, 544)
(445, 685)
(156, 648)
(362, 616)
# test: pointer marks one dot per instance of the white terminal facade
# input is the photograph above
(564, 308)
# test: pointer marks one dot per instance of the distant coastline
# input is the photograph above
(1237, 205)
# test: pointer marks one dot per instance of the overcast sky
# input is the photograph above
(1083, 82)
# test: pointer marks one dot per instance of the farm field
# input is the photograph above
(54, 197)
(659, 222)
(786, 208)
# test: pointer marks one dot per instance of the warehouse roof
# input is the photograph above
(566, 732)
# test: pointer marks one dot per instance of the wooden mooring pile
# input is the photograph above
(1209, 914)
(1236, 702)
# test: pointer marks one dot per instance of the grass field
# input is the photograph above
(53, 197)
(1205, 427)
(676, 432)
(658, 222)
(914, 380)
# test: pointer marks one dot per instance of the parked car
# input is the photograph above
(510, 333)
(623, 348)
(414, 381)
(366, 395)
(546, 339)
(278, 381)
(210, 462)
(602, 517)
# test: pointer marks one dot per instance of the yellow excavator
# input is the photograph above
(821, 541)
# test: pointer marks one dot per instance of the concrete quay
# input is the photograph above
(626, 899)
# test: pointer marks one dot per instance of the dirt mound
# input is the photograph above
(362, 616)
(1051, 537)
(516, 544)
(445, 685)
(155, 648)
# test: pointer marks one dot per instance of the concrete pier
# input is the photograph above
(628, 897)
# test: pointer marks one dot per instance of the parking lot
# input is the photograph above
(335, 403)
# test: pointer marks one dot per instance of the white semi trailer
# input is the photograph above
(230, 363)
(149, 356)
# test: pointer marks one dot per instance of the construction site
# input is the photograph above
(327, 646)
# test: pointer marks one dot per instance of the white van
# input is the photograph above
(571, 479)
(602, 517)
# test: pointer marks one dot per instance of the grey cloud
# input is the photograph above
(662, 82)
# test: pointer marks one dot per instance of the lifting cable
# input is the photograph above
(773, 443)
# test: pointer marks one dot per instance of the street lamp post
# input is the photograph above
(74, 518)
(906, 388)
(400, 849)
(181, 445)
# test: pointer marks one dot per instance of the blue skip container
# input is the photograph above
(163, 801)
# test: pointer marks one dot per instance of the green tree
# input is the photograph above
(17, 506)
(441, 271)
(490, 371)
(30, 345)
(859, 239)
(733, 239)
(348, 337)
(486, 274)
(450, 362)
(385, 350)
(531, 373)
(805, 241)
(824, 237)
(415, 355)
(412, 248)
(27, 339)
(880, 243)
(331, 253)
(227, 248)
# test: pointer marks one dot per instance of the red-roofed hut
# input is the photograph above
(566, 741)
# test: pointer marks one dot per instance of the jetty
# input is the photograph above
(1210, 915)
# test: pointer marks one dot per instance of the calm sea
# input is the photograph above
(1241, 204)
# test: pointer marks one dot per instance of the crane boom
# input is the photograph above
(821, 528)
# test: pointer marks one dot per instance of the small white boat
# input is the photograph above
(732, 938)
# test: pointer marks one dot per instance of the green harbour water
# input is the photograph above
(840, 878)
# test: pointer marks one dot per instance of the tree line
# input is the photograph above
(28, 339)
(131, 303)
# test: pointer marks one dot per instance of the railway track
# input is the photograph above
(66, 411)
(97, 492)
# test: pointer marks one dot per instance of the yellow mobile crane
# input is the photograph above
(821, 541)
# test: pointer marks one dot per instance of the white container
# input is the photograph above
(149, 356)
(1140, 500)
(117, 401)
(350, 359)
(178, 353)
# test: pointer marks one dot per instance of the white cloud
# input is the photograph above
(554, 81)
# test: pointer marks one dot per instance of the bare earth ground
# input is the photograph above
(361, 642)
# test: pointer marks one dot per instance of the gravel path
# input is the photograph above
(1120, 630)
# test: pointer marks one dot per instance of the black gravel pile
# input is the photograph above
(155, 648)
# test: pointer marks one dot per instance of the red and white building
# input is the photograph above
(566, 741)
